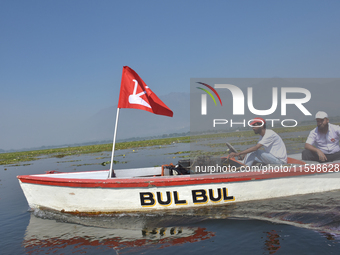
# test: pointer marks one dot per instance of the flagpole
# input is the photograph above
(113, 144)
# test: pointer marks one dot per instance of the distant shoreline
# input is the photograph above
(22, 156)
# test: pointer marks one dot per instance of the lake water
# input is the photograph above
(308, 224)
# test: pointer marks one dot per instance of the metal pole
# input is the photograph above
(113, 144)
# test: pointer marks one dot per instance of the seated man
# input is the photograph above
(274, 148)
(325, 137)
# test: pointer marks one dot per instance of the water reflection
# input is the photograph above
(49, 232)
(272, 242)
(240, 228)
(319, 212)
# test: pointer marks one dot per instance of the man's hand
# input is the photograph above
(232, 155)
(242, 153)
(321, 155)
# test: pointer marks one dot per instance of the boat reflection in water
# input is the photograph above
(219, 228)
(49, 232)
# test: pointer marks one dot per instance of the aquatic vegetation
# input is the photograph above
(85, 164)
(207, 153)
(296, 139)
(178, 152)
(184, 156)
(60, 156)
(59, 162)
(16, 157)
(215, 145)
(114, 162)
(243, 138)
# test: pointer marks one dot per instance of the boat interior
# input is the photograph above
(182, 168)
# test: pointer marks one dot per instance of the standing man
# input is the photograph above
(274, 148)
(325, 137)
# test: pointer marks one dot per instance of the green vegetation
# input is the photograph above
(16, 157)
(250, 133)
(296, 139)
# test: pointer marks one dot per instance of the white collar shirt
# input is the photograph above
(328, 143)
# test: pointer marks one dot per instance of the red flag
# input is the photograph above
(134, 93)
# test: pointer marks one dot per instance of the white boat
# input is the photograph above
(156, 188)
(146, 189)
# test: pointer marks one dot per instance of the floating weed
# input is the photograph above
(59, 162)
(251, 142)
(178, 152)
(114, 162)
(207, 153)
(13, 157)
(216, 145)
(107, 163)
(181, 152)
(86, 164)
(296, 139)
(60, 156)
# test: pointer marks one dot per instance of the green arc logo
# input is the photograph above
(209, 93)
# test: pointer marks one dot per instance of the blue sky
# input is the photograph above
(61, 61)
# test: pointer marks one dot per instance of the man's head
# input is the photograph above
(322, 121)
(258, 124)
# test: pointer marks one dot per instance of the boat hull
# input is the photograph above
(93, 196)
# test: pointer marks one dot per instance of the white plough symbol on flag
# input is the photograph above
(136, 98)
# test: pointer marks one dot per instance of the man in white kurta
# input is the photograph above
(274, 148)
(322, 144)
